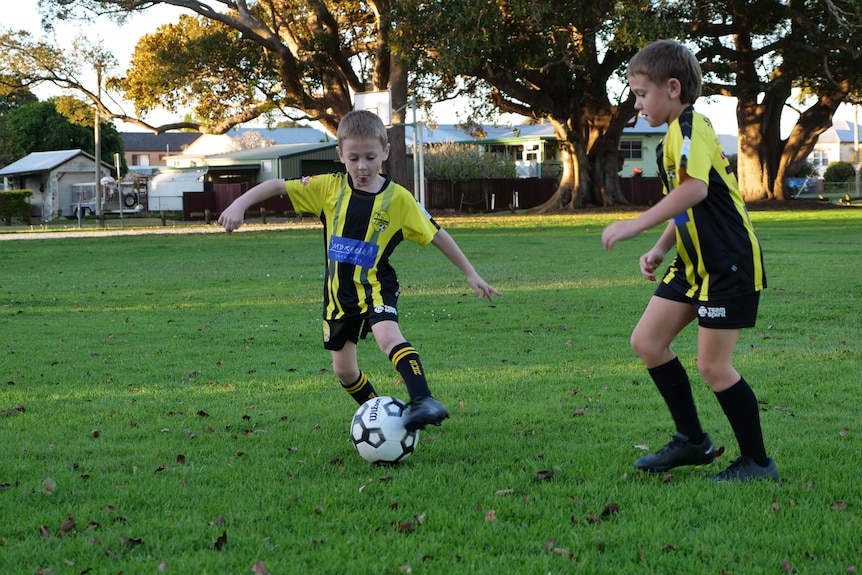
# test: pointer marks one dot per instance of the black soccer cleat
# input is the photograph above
(678, 452)
(423, 411)
(746, 469)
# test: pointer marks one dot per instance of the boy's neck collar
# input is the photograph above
(383, 184)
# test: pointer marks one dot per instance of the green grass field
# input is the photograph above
(167, 407)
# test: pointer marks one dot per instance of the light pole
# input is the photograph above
(858, 161)
(98, 145)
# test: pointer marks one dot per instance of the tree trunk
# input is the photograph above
(591, 163)
(396, 165)
(764, 158)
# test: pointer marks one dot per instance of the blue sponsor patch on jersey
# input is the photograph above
(681, 219)
(350, 251)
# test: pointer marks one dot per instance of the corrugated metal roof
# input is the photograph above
(178, 176)
(454, 133)
(298, 135)
(173, 141)
(270, 152)
(41, 162)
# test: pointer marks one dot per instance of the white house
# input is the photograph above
(836, 145)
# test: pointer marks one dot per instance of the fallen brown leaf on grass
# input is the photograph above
(406, 527)
(67, 526)
(219, 543)
(259, 568)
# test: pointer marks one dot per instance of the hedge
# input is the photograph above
(14, 204)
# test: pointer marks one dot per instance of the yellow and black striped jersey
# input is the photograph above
(361, 230)
(718, 253)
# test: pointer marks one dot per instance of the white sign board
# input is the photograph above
(378, 102)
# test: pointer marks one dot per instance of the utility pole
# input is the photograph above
(857, 161)
(97, 138)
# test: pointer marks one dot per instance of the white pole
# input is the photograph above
(858, 162)
(415, 155)
(420, 126)
(98, 144)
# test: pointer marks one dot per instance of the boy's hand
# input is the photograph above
(618, 231)
(481, 288)
(231, 218)
(649, 263)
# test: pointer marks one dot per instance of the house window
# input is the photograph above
(266, 166)
(631, 149)
(820, 158)
(140, 159)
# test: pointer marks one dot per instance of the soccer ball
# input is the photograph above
(378, 431)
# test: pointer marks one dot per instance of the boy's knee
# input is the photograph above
(347, 372)
(715, 374)
(641, 346)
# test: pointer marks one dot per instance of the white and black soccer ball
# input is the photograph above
(378, 432)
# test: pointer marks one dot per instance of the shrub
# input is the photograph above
(462, 162)
(14, 204)
(839, 172)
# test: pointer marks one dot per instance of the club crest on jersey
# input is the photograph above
(380, 220)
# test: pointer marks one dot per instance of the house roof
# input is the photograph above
(37, 162)
(170, 141)
(298, 135)
(178, 176)
(269, 152)
(454, 133)
(841, 131)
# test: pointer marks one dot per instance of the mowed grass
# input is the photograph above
(168, 407)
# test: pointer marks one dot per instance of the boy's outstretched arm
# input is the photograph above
(444, 242)
(688, 193)
(234, 215)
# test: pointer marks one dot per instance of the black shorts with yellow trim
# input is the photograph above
(732, 313)
(337, 332)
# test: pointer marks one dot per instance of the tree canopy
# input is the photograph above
(777, 57)
(549, 60)
(556, 61)
(39, 127)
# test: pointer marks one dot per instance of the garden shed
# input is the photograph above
(52, 177)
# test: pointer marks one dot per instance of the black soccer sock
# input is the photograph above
(405, 358)
(740, 406)
(672, 382)
(361, 390)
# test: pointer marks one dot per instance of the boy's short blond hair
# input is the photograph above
(666, 59)
(362, 124)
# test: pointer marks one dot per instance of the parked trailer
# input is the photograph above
(124, 197)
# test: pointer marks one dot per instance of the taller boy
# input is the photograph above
(716, 277)
(365, 215)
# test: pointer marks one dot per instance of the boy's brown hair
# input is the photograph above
(666, 59)
(362, 124)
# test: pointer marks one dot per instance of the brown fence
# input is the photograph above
(488, 195)
(473, 196)
(641, 191)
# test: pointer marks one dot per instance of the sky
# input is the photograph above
(121, 42)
